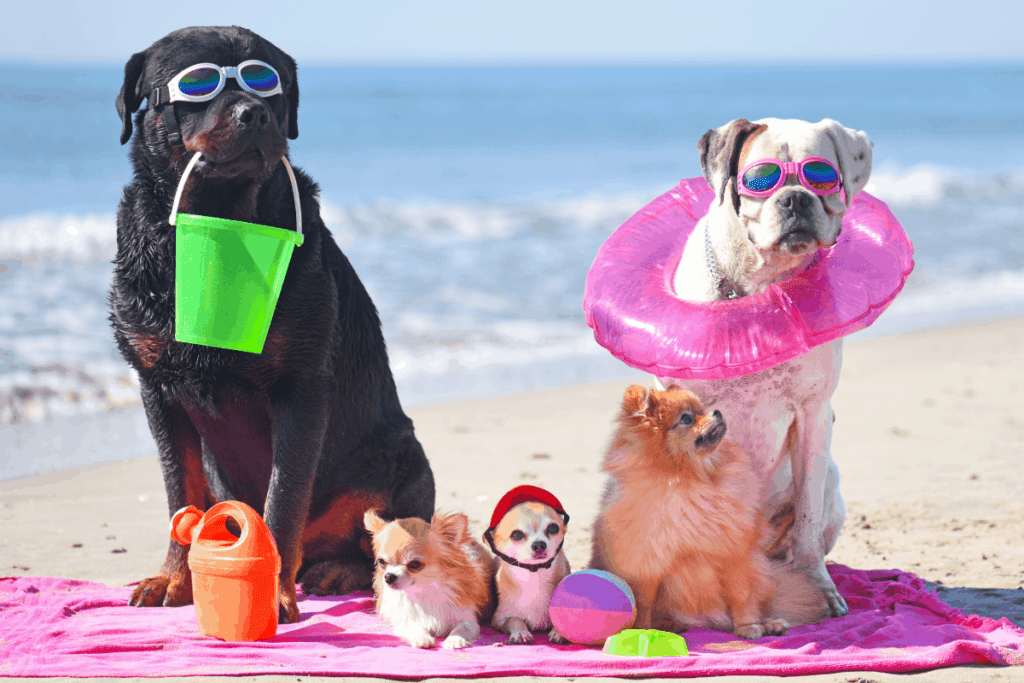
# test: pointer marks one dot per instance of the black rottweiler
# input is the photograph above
(310, 432)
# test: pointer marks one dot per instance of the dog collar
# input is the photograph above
(488, 536)
(515, 496)
(726, 288)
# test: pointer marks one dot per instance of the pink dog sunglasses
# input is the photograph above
(764, 176)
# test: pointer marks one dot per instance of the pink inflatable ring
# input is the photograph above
(630, 304)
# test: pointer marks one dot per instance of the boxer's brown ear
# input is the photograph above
(720, 154)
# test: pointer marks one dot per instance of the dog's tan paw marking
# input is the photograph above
(556, 637)
(520, 637)
(163, 590)
(150, 592)
(288, 606)
(775, 627)
(179, 591)
(455, 642)
(749, 631)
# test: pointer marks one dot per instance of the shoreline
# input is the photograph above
(121, 432)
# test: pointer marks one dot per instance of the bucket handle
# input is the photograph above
(192, 164)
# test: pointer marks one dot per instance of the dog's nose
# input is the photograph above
(252, 115)
(390, 578)
(794, 201)
(539, 546)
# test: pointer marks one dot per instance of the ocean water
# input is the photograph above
(472, 202)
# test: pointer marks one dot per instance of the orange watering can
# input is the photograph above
(235, 578)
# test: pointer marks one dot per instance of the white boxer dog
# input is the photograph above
(777, 185)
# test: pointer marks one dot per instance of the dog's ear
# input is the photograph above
(293, 109)
(452, 529)
(292, 92)
(634, 403)
(281, 58)
(293, 101)
(373, 522)
(129, 99)
(720, 154)
(853, 148)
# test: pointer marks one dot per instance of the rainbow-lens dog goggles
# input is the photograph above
(764, 176)
(202, 82)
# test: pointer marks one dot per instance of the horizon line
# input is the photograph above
(541, 62)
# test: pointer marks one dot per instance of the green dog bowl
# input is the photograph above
(637, 642)
(228, 275)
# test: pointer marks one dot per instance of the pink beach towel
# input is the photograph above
(59, 627)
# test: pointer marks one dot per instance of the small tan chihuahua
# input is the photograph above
(526, 534)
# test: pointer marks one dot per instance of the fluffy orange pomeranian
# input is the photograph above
(431, 580)
(681, 523)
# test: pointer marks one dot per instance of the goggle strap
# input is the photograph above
(170, 117)
(159, 97)
(192, 163)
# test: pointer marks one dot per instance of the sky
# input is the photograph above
(537, 31)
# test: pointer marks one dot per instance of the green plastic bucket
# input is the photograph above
(228, 275)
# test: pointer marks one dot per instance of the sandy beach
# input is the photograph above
(929, 436)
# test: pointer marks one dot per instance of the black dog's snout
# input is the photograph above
(717, 414)
(539, 546)
(390, 578)
(252, 115)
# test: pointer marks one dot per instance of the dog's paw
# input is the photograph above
(455, 642)
(421, 640)
(836, 604)
(556, 637)
(775, 627)
(288, 606)
(520, 636)
(169, 591)
(337, 577)
(749, 631)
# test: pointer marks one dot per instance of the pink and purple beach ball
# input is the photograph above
(591, 605)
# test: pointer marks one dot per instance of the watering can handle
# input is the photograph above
(192, 164)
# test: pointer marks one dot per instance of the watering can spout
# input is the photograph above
(184, 524)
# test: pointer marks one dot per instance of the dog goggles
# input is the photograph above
(763, 177)
(202, 82)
